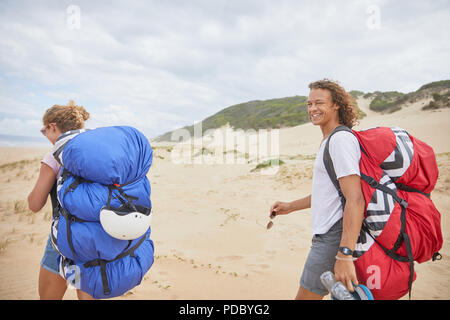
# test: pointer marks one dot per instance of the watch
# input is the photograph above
(346, 251)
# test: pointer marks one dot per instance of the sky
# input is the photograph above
(162, 65)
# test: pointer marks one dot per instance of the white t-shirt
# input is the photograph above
(326, 207)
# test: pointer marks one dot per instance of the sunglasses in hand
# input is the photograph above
(270, 224)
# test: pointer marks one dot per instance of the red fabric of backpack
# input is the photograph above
(401, 224)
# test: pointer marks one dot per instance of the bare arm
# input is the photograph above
(300, 204)
(354, 210)
(352, 221)
(38, 196)
(288, 207)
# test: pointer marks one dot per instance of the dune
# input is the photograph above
(209, 224)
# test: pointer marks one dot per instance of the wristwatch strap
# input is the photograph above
(346, 251)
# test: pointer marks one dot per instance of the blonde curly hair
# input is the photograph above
(67, 117)
(348, 110)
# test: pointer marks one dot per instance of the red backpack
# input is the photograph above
(401, 224)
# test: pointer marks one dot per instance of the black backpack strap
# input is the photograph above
(328, 162)
(125, 199)
(69, 220)
(53, 195)
(54, 199)
(102, 263)
(403, 237)
(403, 187)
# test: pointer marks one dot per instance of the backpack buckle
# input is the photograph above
(373, 183)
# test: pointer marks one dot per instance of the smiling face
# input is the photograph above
(321, 109)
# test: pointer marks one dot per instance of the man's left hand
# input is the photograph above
(344, 271)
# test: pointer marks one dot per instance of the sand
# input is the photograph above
(209, 220)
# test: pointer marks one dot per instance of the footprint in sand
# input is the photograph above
(229, 258)
(176, 252)
(261, 265)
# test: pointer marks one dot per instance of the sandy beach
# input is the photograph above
(209, 224)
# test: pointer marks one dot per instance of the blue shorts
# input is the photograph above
(321, 258)
(50, 260)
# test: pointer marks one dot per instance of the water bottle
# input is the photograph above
(336, 289)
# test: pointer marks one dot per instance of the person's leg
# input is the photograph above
(84, 296)
(304, 294)
(51, 285)
(321, 258)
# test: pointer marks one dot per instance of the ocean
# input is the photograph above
(23, 141)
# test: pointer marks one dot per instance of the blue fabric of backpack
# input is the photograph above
(101, 166)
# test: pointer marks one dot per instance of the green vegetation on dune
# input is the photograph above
(292, 111)
(386, 101)
(391, 101)
(438, 102)
(443, 84)
(268, 163)
(258, 114)
(356, 94)
(273, 113)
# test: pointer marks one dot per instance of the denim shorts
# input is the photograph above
(50, 260)
(321, 258)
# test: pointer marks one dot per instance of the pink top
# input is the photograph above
(51, 162)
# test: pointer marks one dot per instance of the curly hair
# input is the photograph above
(67, 117)
(348, 110)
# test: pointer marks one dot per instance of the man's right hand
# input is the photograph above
(281, 208)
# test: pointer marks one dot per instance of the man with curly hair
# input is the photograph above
(335, 229)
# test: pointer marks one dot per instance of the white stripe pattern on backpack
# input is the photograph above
(363, 245)
(378, 212)
(59, 184)
(62, 140)
(381, 205)
(58, 148)
(55, 229)
(396, 164)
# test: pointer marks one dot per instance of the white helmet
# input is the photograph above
(124, 225)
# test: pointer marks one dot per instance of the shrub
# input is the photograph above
(268, 163)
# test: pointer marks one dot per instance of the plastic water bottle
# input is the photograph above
(337, 289)
(328, 279)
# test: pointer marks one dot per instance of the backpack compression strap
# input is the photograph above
(403, 236)
(70, 218)
(102, 263)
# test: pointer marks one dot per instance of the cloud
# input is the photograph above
(20, 127)
(161, 64)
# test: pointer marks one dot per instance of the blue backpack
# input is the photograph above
(103, 167)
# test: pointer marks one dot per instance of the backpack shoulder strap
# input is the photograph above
(61, 142)
(328, 162)
(54, 199)
(53, 196)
